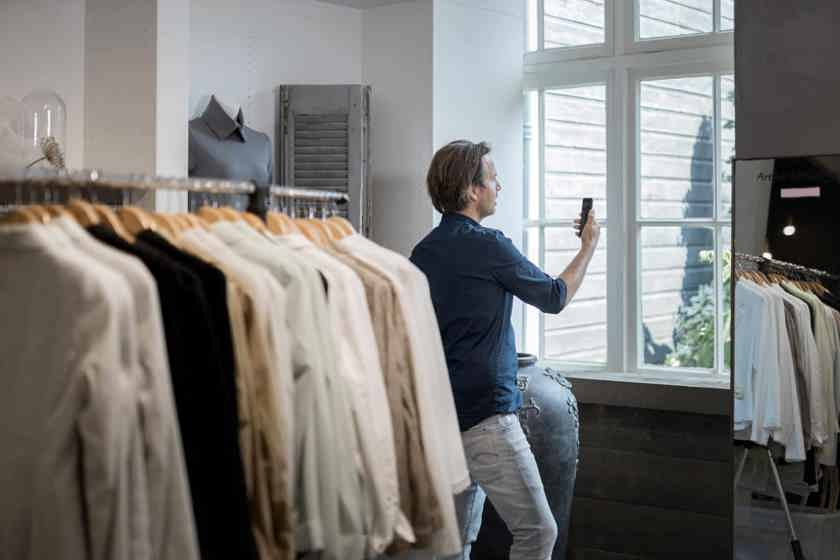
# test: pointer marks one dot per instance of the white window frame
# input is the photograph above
(622, 63)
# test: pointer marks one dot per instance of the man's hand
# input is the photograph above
(591, 232)
(575, 272)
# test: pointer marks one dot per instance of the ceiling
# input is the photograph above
(363, 4)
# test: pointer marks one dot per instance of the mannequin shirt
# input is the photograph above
(223, 148)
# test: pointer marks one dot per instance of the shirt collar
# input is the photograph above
(220, 122)
(458, 217)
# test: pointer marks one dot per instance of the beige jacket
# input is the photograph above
(417, 498)
(73, 482)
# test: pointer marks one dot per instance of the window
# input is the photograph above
(646, 128)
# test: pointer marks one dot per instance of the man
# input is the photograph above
(473, 274)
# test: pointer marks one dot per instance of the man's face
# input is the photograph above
(489, 189)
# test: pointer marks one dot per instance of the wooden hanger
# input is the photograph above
(40, 212)
(84, 212)
(135, 219)
(313, 231)
(334, 230)
(343, 223)
(166, 223)
(254, 221)
(109, 218)
(19, 216)
(58, 211)
(231, 214)
(211, 215)
(281, 224)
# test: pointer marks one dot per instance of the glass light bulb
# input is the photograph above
(767, 255)
(789, 230)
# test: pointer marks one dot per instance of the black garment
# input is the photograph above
(200, 353)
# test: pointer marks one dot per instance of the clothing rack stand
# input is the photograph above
(306, 199)
(93, 178)
(773, 265)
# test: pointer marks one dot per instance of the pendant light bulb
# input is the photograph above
(789, 230)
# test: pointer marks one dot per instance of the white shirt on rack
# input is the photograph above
(789, 433)
(753, 316)
(439, 424)
(360, 364)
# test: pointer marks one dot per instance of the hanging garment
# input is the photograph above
(360, 365)
(824, 337)
(316, 490)
(799, 371)
(73, 474)
(790, 432)
(172, 528)
(205, 398)
(439, 424)
(261, 312)
(417, 499)
(809, 363)
(754, 358)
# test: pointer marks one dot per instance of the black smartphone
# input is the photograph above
(584, 214)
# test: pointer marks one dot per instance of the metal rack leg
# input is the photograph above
(794, 541)
(740, 469)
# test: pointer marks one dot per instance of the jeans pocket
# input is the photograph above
(481, 450)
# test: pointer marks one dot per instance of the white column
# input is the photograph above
(137, 89)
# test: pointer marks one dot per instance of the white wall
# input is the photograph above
(42, 42)
(478, 48)
(241, 53)
(398, 63)
(786, 84)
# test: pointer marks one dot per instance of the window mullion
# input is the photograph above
(616, 261)
(633, 350)
(541, 125)
(716, 16)
(540, 25)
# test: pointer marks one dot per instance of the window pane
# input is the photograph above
(575, 151)
(532, 155)
(727, 15)
(669, 18)
(725, 253)
(572, 23)
(677, 147)
(579, 332)
(532, 314)
(678, 296)
(727, 143)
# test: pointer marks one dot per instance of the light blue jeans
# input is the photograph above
(503, 469)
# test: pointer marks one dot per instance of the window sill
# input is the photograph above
(695, 394)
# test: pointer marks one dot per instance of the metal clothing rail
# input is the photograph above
(777, 265)
(309, 194)
(92, 178)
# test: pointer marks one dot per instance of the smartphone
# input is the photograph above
(584, 214)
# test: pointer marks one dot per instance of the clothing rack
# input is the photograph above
(80, 181)
(93, 178)
(773, 265)
(309, 194)
(785, 268)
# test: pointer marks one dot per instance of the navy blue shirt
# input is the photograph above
(473, 274)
